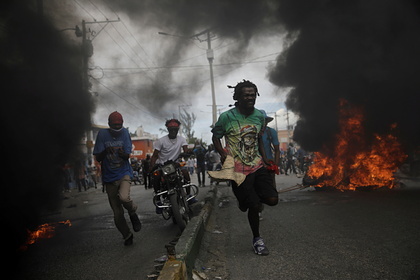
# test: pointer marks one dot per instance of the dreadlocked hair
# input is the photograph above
(244, 84)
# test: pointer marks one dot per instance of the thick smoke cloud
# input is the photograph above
(238, 19)
(44, 113)
(363, 51)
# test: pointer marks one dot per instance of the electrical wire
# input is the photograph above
(196, 66)
(123, 98)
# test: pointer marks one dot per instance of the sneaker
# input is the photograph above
(135, 221)
(259, 246)
(129, 240)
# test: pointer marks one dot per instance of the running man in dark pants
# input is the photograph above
(241, 127)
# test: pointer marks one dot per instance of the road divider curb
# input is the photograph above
(188, 245)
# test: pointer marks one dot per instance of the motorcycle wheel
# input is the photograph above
(178, 211)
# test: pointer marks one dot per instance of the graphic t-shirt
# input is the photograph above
(241, 133)
(113, 166)
(169, 149)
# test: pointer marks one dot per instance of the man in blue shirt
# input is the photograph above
(271, 143)
(113, 148)
(271, 147)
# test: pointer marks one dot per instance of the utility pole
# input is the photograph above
(85, 58)
(87, 47)
(210, 57)
(275, 120)
(87, 52)
(288, 126)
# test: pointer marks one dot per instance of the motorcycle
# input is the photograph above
(172, 197)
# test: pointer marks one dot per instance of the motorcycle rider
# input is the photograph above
(168, 148)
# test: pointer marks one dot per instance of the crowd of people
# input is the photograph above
(81, 175)
(203, 160)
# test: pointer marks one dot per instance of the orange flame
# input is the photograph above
(354, 162)
(44, 231)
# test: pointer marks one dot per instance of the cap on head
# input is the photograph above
(172, 123)
(267, 118)
(115, 118)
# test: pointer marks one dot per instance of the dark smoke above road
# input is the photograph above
(238, 20)
(362, 51)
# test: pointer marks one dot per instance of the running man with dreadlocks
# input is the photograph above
(241, 127)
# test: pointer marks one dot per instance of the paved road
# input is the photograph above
(92, 248)
(318, 235)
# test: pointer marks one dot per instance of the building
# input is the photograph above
(141, 148)
(142, 143)
(88, 141)
(285, 137)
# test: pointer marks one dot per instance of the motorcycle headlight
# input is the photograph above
(168, 169)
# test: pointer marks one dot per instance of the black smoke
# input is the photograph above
(238, 20)
(44, 112)
(366, 52)
(363, 51)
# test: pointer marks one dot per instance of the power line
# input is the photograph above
(145, 70)
(123, 98)
(138, 43)
(188, 66)
(131, 34)
(124, 51)
(83, 8)
(112, 38)
(98, 9)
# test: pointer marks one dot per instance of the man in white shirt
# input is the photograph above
(168, 148)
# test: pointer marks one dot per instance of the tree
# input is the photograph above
(187, 122)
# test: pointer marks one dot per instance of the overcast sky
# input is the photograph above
(130, 54)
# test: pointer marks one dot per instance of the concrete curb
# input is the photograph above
(189, 243)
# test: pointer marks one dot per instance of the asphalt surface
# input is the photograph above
(317, 235)
(92, 247)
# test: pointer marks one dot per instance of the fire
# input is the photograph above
(354, 162)
(44, 231)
